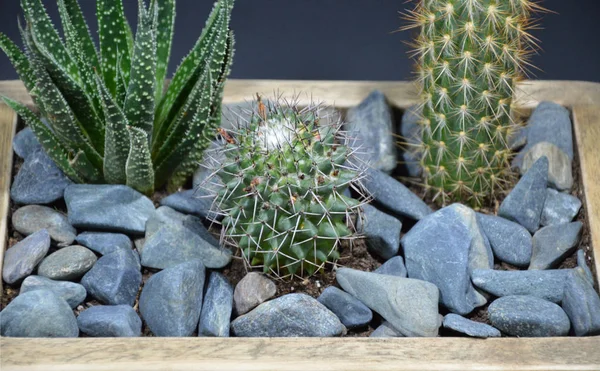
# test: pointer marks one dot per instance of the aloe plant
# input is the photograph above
(471, 54)
(105, 116)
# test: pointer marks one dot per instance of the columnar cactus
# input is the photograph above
(108, 117)
(471, 54)
(282, 177)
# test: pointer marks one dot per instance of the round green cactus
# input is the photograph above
(282, 176)
(471, 54)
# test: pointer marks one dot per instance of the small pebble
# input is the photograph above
(25, 143)
(110, 321)
(382, 232)
(32, 218)
(582, 263)
(386, 330)
(251, 291)
(553, 243)
(217, 307)
(67, 264)
(393, 267)
(104, 243)
(560, 175)
(21, 259)
(468, 327)
(73, 293)
(559, 208)
(349, 310)
(582, 304)
(194, 202)
(511, 242)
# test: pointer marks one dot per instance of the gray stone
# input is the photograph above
(393, 267)
(39, 181)
(21, 259)
(25, 143)
(73, 293)
(582, 304)
(528, 316)
(394, 196)
(166, 215)
(109, 208)
(67, 264)
(382, 232)
(104, 243)
(411, 133)
(511, 242)
(549, 122)
(560, 175)
(582, 263)
(517, 138)
(553, 243)
(171, 300)
(251, 291)
(524, 204)
(544, 284)
(189, 202)
(410, 305)
(139, 244)
(370, 129)
(110, 321)
(292, 315)
(31, 218)
(115, 278)
(443, 249)
(386, 330)
(468, 327)
(38, 314)
(173, 244)
(559, 208)
(217, 307)
(349, 310)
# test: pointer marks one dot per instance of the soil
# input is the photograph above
(353, 256)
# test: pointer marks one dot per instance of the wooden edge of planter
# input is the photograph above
(582, 98)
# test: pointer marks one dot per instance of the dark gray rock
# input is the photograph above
(386, 330)
(410, 130)
(104, 243)
(559, 208)
(524, 204)
(110, 321)
(443, 249)
(171, 300)
(251, 291)
(468, 327)
(393, 267)
(21, 259)
(543, 284)
(382, 232)
(166, 215)
(582, 304)
(217, 307)
(553, 243)
(349, 310)
(67, 264)
(582, 263)
(31, 218)
(173, 244)
(528, 316)
(394, 196)
(410, 305)
(549, 122)
(39, 181)
(115, 278)
(560, 175)
(192, 202)
(73, 293)
(370, 127)
(511, 242)
(39, 314)
(110, 208)
(25, 143)
(292, 315)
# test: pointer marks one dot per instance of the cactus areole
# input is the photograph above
(107, 116)
(283, 174)
(470, 54)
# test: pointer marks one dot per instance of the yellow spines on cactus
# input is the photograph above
(471, 54)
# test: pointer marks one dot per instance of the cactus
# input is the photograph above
(470, 56)
(108, 116)
(280, 182)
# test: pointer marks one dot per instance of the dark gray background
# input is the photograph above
(345, 39)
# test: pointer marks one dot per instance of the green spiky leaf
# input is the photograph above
(140, 174)
(164, 38)
(76, 28)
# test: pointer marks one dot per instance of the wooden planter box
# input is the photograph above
(344, 354)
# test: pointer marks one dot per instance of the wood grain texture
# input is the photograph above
(345, 354)
(8, 125)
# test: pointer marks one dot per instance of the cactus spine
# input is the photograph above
(471, 54)
(282, 176)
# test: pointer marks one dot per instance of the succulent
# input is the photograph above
(106, 115)
(471, 54)
(281, 176)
